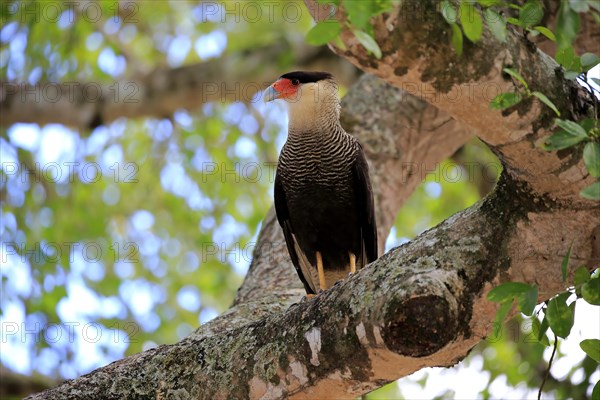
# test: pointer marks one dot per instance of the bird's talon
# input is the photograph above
(307, 297)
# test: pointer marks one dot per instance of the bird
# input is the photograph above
(322, 192)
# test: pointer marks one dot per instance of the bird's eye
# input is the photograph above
(295, 82)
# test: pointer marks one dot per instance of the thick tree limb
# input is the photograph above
(85, 105)
(420, 305)
(418, 57)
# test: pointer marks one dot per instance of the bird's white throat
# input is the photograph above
(316, 105)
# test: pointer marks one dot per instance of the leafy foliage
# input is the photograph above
(528, 16)
(359, 14)
(559, 314)
(571, 134)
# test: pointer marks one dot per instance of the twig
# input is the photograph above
(549, 366)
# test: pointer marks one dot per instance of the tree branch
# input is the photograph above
(419, 305)
(86, 105)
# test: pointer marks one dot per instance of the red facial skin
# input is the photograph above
(285, 88)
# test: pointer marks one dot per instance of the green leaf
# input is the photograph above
(514, 21)
(528, 300)
(323, 32)
(449, 12)
(470, 21)
(531, 13)
(579, 6)
(590, 291)
(516, 75)
(496, 24)
(561, 140)
(565, 262)
(566, 57)
(489, 3)
(501, 316)
(589, 61)
(368, 42)
(505, 100)
(536, 331)
(560, 315)
(591, 158)
(591, 348)
(572, 75)
(359, 13)
(546, 101)
(546, 32)
(571, 127)
(457, 39)
(571, 134)
(339, 43)
(525, 294)
(581, 275)
(567, 26)
(591, 192)
(596, 391)
(508, 291)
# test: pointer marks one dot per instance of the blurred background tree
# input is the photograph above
(125, 229)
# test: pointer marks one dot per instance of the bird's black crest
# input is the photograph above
(307, 76)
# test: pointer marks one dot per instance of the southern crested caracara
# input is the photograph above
(323, 196)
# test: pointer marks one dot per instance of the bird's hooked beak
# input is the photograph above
(282, 89)
(271, 94)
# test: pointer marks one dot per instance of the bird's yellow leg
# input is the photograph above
(352, 263)
(322, 283)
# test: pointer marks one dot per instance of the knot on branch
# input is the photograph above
(419, 326)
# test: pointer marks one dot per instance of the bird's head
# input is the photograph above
(308, 95)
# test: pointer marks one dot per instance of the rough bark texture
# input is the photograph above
(418, 57)
(417, 306)
(422, 304)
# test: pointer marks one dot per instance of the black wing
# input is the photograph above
(366, 205)
(283, 216)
